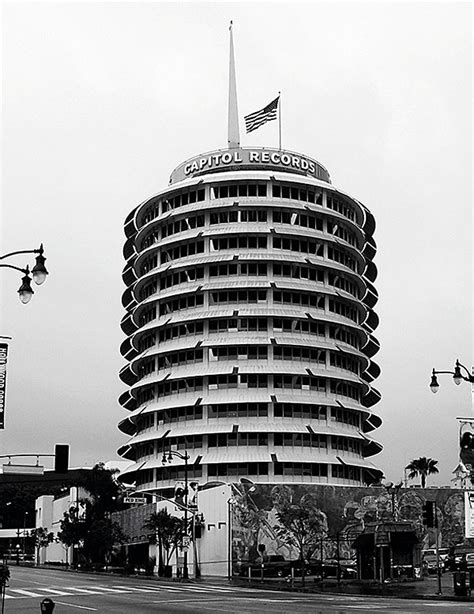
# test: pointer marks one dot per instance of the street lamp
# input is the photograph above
(458, 377)
(167, 458)
(38, 272)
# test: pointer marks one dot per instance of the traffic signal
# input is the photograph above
(429, 514)
(466, 443)
(61, 458)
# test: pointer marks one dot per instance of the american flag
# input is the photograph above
(257, 119)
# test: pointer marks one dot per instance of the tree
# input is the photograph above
(168, 531)
(41, 539)
(88, 524)
(422, 467)
(302, 525)
(4, 577)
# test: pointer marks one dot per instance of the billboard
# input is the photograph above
(469, 514)
(3, 382)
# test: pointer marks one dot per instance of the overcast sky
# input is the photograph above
(102, 100)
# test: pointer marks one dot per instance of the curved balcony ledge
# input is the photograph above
(370, 248)
(127, 452)
(369, 222)
(127, 426)
(128, 325)
(371, 422)
(371, 297)
(128, 300)
(371, 347)
(372, 397)
(371, 448)
(127, 400)
(372, 321)
(128, 375)
(370, 271)
(129, 276)
(129, 225)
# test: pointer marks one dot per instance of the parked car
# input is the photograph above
(272, 565)
(347, 568)
(459, 556)
(430, 563)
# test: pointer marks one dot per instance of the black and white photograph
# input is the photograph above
(236, 367)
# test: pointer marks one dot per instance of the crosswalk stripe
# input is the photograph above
(53, 591)
(26, 593)
(108, 590)
(137, 588)
(82, 590)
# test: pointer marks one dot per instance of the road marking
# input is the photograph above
(139, 589)
(73, 605)
(25, 593)
(53, 591)
(108, 590)
(82, 590)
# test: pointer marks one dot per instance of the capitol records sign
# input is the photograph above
(245, 158)
(3, 381)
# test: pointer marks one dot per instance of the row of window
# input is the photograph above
(250, 380)
(229, 440)
(183, 250)
(224, 325)
(238, 215)
(180, 200)
(306, 411)
(182, 225)
(305, 246)
(245, 190)
(307, 299)
(250, 269)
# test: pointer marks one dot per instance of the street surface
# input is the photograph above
(82, 593)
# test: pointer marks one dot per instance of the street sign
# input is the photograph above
(134, 500)
(186, 543)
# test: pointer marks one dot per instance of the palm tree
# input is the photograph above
(167, 530)
(422, 467)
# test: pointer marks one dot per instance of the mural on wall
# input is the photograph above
(319, 520)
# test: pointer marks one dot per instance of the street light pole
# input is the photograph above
(167, 457)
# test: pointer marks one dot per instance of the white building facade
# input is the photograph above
(249, 323)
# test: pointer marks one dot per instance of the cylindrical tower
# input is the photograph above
(249, 321)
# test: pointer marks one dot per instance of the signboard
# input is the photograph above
(186, 543)
(469, 514)
(24, 469)
(3, 382)
(250, 159)
(134, 500)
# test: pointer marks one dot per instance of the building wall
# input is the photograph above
(249, 323)
(49, 512)
(346, 511)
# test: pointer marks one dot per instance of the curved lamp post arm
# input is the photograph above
(23, 251)
(39, 271)
(16, 268)
(458, 377)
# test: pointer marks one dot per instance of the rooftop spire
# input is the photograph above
(233, 139)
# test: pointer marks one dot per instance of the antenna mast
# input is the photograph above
(233, 139)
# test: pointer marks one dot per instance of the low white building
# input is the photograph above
(49, 511)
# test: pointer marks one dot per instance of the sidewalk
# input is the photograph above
(421, 589)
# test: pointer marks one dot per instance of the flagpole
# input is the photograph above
(279, 120)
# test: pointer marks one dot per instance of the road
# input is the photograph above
(81, 593)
